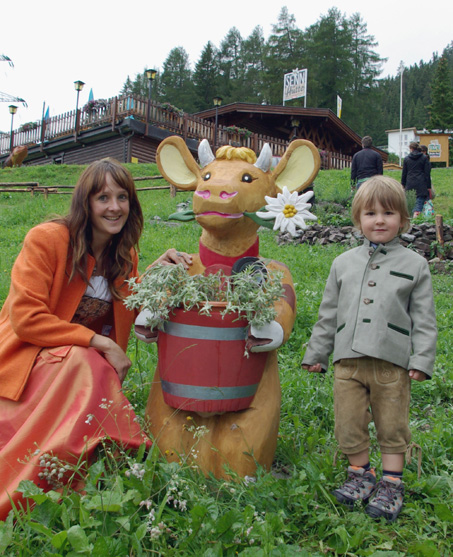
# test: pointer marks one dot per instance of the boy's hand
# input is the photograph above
(316, 368)
(416, 375)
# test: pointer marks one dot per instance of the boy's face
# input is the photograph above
(380, 225)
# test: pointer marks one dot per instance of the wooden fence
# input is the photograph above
(35, 187)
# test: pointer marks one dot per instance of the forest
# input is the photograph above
(341, 58)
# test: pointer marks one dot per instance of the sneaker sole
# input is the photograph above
(375, 513)
(349, 502)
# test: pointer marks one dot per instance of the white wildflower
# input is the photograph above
(290, 211)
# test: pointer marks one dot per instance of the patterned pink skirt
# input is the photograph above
(71, 402)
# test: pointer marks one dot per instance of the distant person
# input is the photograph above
(377, 317)
(424, 150)
(366, 163)
(417, 176)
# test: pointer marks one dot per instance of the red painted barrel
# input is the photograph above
(202, 364)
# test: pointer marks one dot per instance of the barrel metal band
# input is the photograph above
(204, 333)
(208, 393)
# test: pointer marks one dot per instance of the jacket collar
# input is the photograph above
(382, 248)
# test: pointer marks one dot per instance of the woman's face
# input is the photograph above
(109, 210)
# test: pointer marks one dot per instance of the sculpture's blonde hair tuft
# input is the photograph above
(227, 152)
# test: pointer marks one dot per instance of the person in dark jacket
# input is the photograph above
(366, 163)
(417, 176)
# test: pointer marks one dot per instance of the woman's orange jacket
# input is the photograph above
(41, 303)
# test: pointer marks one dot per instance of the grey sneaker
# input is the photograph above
(388, 500)
(359, 486)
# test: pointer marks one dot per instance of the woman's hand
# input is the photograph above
(173, 257)
(113, 353)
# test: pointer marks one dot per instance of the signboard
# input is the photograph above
(434, 149)
(438, 145)
(295, 85)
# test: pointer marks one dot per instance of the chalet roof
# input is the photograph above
(403, 130)
(319, 125)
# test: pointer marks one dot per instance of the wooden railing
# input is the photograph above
(180, 123)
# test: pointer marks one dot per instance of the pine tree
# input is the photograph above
(359, 98)
(253, 54)
(230, 66)
(140, 86)
(176, 80)
(328, 49)
(441, 108)
(283, 55)
(206, 77)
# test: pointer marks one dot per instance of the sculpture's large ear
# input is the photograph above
(298, 167)
(176, 163)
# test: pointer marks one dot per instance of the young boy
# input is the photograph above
(377, 316)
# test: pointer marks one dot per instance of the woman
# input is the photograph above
(64, 331)
(417, 176)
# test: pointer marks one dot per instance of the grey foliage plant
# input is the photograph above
(164, 288)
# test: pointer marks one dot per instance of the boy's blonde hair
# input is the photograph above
(386, 191)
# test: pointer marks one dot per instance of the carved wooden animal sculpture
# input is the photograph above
(17, 156)
(226, 187)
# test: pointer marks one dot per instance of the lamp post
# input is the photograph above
(217, 103)
(401, 70)
(12, 111)
(151, 75)
(78, 85)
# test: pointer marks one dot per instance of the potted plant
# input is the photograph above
(203, 324)
(28, 127)
(94, 106)
(172, 109)
(241, 132)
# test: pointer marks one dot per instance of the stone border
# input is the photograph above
(420, 237)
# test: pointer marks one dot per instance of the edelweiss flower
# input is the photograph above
(289, 210)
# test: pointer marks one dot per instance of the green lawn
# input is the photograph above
(290, 512)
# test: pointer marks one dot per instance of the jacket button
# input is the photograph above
(370, 253)
(366, 301)
(373, 266)
(371, 283)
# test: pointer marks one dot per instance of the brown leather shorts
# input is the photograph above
(367, 389)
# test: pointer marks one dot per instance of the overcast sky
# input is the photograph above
(101, 42)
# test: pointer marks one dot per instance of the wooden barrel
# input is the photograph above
(202, 363)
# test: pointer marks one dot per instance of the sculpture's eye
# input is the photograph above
(207, 176)
(247, 178)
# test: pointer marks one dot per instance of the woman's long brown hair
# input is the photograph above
(117, 256)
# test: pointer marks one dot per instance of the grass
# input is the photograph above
(141, 505)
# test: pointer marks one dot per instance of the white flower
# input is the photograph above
(289, 210)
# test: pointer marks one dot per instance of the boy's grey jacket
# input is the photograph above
(378, 303)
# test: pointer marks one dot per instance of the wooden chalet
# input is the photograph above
(130, 129)
(336, 141)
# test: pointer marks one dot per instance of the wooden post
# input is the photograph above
(114, 112)
(440, 233)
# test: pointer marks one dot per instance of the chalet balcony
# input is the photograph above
(101, 123)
